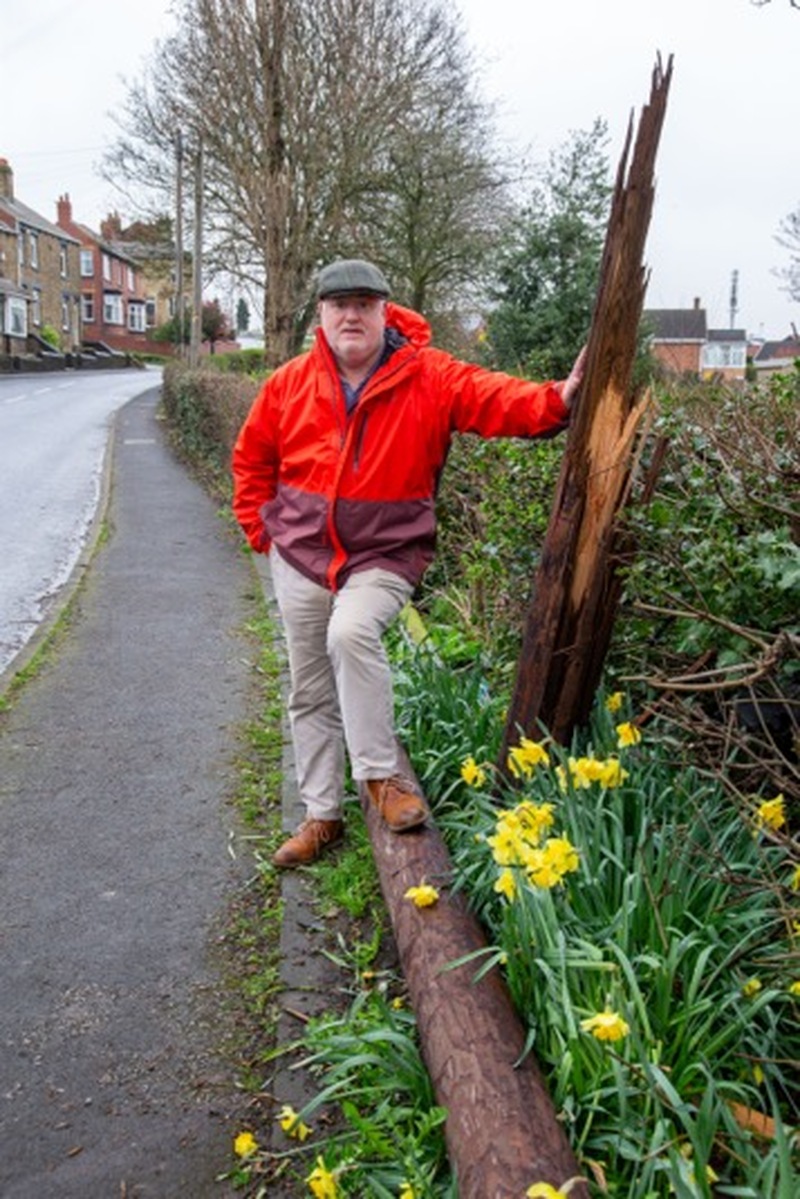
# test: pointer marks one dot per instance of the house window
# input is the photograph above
(107, 268)
(16, 317)
(131, 279)
(33, 249)
(36, 306)
(150, 309)
(87, 309)
(65, 315)
(720, 354)
(87, 264)
(62, 260)
(21, 250)
(136, 316)
(112, 308)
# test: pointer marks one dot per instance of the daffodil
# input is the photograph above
(606, 1026)
(321, 1182)
(585, 771)
(795, 879)
(506, 884)
(614, 701)
(751, 988)
(794, 988)
(612, 773)
(525, 757)
(627, 734)
(545, 1190)
(771, 814)
(758, 1074)
(473, 774)
(245, 1144)
(423, 896)
(407, 1191)
(291, 1125)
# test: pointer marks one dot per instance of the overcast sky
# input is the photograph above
(728, 170)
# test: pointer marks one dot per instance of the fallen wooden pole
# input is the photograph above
(501, 1130)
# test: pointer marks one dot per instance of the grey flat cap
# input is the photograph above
(348, 276)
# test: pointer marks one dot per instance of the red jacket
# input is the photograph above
(338, 494)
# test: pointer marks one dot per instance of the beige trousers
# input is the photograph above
(340, 679)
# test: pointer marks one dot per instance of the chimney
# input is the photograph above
(697, 303)
(64, 207)
(6, 180)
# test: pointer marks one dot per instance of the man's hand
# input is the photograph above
(571, 385)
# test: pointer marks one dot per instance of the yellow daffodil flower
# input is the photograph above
(758, 1074)
(506, 884)
(606, 1026)
(612, 773)
(525, 757)
(771, 814)
(473, 774)
(795, 879)
(751, 988)
(322, 1183)
(546, 1190)
(614, 701)
(627, 734)
(794, 988)
(245, 1144)
(287, 1118)
(407, 1191)
(423, 896)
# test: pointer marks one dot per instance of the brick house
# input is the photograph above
(777, 356)
(39, 277)
(681, 341)
(152, 247)
(113, 303)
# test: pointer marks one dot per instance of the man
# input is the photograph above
(335, 474)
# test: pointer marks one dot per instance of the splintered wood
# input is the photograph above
(576, 588)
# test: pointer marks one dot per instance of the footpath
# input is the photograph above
(121, 854)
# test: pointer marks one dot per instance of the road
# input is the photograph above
(54, 432)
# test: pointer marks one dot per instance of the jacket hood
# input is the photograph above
(409, 324)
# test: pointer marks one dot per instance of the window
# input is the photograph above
(36, 306)
(33, 249)
(62, 260)
(21, 250)
(87, 309)
(112, 308)
(150, 308)
(136, 316)
(131, 279)
(16, 317)
(107, 268)
(65, 315)
(719, 354)
(87, 264)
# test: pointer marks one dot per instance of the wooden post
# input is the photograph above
(501, 1131)
(576, 588)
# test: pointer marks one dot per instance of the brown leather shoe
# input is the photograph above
(310, 840)
(398, 803)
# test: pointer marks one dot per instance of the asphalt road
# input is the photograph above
(53, 437)
(116, 768)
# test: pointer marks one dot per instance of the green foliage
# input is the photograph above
(678, 905)
(49, 334)
(548, 268)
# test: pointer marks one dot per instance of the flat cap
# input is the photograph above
(348, 276)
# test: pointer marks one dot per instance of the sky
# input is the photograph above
(727, 171)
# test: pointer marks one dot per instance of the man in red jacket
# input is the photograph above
(335, 475)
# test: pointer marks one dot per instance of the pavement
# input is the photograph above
(121, 856)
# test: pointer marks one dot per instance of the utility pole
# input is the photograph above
(178, 309)
(734, 299)
(197, 301)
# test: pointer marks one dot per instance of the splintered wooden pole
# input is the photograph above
(501, 1129)
(576, 587)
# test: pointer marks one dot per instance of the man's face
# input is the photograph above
(353, 326)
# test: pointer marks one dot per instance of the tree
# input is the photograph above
(789, 237)
(548, 266)
(214, 324)
(242, 316)
(299, 108)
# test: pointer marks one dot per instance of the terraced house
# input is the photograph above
(40, 292)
